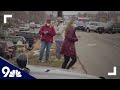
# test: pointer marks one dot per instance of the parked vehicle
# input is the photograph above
(37, 25)
(15, 39)
(30, 37)
(112, 28)
(80, 25)
(32, 24)
(7, 49)
(24, 27)
(95, 26)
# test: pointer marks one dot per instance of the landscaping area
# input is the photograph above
(33, 57)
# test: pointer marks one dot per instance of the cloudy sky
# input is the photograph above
(75, 12)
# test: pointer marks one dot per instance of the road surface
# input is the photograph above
(99, 53)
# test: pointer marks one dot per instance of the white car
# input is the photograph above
(24, 27)
(37, 25)
(95, 26)
(32, 24)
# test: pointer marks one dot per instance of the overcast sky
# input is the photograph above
(75, 12)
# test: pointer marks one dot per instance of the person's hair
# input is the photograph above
(69, 25)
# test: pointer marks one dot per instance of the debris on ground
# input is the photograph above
(33, 57)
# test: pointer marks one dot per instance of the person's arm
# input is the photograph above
(52, 32)
(71, 37)
(59, 30)
(41, 32)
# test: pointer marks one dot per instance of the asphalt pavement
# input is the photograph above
(99, 53)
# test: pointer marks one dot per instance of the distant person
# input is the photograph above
(59, 38)
(47, 32)
(68, 47)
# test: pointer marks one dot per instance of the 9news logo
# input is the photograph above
(10, 73)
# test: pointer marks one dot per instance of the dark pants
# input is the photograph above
(65, 64)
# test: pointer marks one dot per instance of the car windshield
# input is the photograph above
(117, 25)
(79, 23)
(100, 24)
(86, 23)
(22, 25)
(14, 39)
(10, 44)
(93, 24)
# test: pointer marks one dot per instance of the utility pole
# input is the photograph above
(108, 16)
(60, 14)
(52, 12)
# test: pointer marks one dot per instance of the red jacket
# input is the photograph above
(47, 37)
(68, 47)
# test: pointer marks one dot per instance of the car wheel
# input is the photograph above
(113, 32)
(85, 30)
(109, 32)
(96, 31)
(100, 32)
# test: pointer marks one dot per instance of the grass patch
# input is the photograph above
(54, 62)
(34, 59)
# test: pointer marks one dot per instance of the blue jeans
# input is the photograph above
(47, 46)
(58, 48)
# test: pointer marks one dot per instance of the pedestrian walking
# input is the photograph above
(47, 33)
(68, 47)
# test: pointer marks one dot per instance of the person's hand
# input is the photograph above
(45, 32)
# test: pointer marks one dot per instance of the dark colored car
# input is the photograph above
(112, 28)
(7, 49)
(30, 37)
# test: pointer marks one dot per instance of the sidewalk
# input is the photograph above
(78, 67)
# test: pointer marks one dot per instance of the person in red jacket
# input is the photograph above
(68, 47)
(47, 32)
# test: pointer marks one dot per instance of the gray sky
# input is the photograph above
(75, 12)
